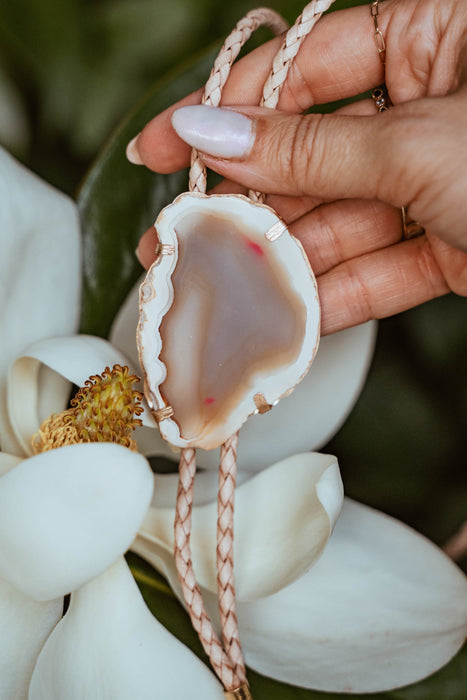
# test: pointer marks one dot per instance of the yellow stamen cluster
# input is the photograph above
(104, 410)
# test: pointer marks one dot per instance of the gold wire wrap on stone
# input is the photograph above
(261, 404)
(161, 414)
(164, 249)
(242, 693)
(273, 233)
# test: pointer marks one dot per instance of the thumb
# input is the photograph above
(329, 156)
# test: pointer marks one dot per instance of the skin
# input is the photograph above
(339, 180)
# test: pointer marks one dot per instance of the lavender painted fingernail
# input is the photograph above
(220, 132)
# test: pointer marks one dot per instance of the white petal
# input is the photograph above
(39, 268)
(123, 331)
(33, 397)
(68, 514)
(25, 626)
(303, 421)
(7, 462)
(110, 646)
(283, 519)
(205, 491)
(382, 608)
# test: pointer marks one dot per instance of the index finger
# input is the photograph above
(338, 59)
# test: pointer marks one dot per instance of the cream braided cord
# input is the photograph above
(284, 59)
(289, 49)
(190, 588)
(224, 554)
(262, 16)
(227, 657)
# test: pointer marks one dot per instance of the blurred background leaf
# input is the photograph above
(118, 200)
(70, 70)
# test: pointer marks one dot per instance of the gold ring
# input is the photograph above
(379, 38)
(410, 227)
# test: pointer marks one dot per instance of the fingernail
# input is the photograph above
(220, 132)
(132, 152)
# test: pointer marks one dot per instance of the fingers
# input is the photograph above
(146, 250)
(327, 156)
(337, 60)
(375, 284)
(334, 233)
(158, 146)
(330, 233)
(379, 284)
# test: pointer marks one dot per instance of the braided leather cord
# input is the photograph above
(227, 657)
(227, 661)
(224, 554)
(190, 588)
(289, 49)
(284, 58)
(262, 16)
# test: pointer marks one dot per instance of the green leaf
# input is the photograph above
(119, 201)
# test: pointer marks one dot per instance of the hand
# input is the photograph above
(339, 180)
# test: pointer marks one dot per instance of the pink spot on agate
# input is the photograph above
(209, 400)
(255, 247)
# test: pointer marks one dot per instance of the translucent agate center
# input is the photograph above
(234, 316)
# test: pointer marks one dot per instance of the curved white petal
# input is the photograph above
(110, 646)
(68, 514)
(123, 331)
(382, 608)
(283, 519)
(303, 421)
(33, 397)
(25, 626)
(205, 490)
(40, 275)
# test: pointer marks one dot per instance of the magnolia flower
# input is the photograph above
(284, 516)
(66, 515)
(70, 512)
(381, 607)
(39, 228)
(39, 270)
(370, 607)
(109, 645)
(295, 537)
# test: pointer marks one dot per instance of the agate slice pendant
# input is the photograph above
(229, 317)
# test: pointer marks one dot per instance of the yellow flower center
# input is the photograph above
(104, 410)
